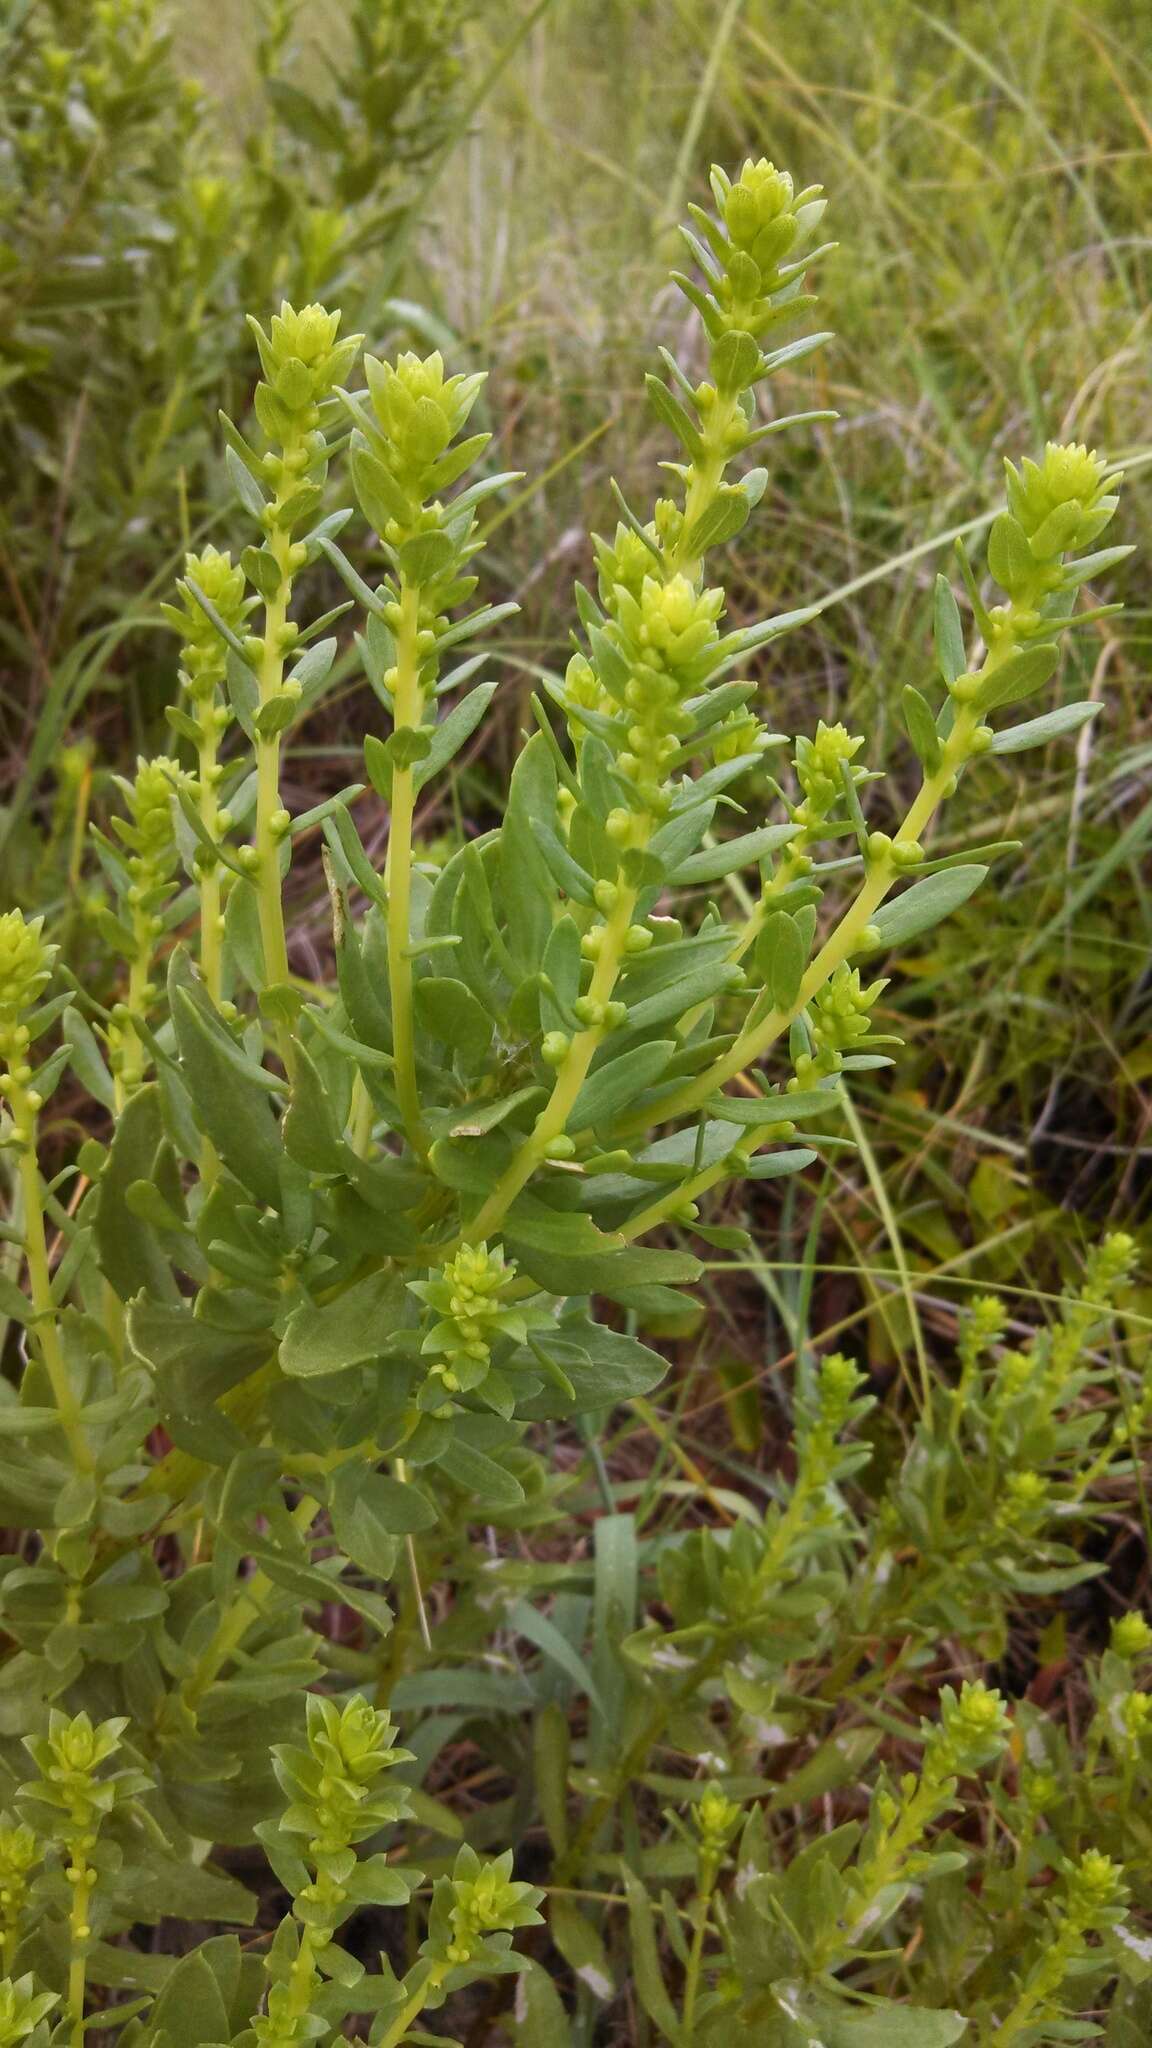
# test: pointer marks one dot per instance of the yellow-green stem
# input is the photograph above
(409, 707)
(707, 473)
(238, 1618)
(40, 1283)
(81, 1879)
(570, 1075)
(268, 838)
(211, 923)
(414, 2006)
(755, 1040)
(702, 1915)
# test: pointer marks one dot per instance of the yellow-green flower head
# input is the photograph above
(983, 1326)
(19, 1850)
(356, 1741)
(839, 1383)
(22, 2008)
(468, 1296)
(1027, 1493)
(758, 212)
(1131, 1636)
(716, 1817)
(627, 561)
(1110, 1266)
(152, 805)
(302, 357)
(74, 1747)
(582, 685)
(1062, 502)
(1095, 1882)
(817, 765)
(221, 580)
(204, 654)
(974, 1727)
(25, 963)
(309, 334)
(487, 1897)
(210, 204)
(840, 1011)
(418, 408)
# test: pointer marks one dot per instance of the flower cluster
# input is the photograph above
(22, 2008)
(839, 1019)
(478, 1901)
(716, 1820)
(25, 968)
(203, 652)
(333, 1784)
(303, 361)
(1063, 502)
(762, 219)
(973, 1729)
(417, 412)
(469, 1297)
(73, 1787)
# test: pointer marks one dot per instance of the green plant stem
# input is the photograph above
(705, 477)
(237, 1619)
(40, 1282)
(702, 1915)
(414, 2006)
(268, 839)
(636, 1755)
(409, 706)
(211, 920)
(754, 1041)
(130, 1068)
(570, 1076)
(81, 1879)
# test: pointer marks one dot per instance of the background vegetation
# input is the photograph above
(990, 173)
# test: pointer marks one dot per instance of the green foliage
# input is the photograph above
(326, 1297)
(134, 230)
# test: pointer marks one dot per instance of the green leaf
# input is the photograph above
(449, 1011)
(380, 498)
(451, 733)
(131, 1257)
(488, 1483)
(720, 521)
(602, 1367)
(327, 1337)
(948, 633)
(674, 415)
(1020, 676)
(231, 1099)
(582, 1947)
(781, 955)
(925, 903)
(921, 727)
(1055, 725)
(426, 557)
(537, 1628)
(714, 862)
(86, 1059)
(884, 2025)
(650, 1979)
(190, 2010)
(369, 1511)
(610, 1087)
(551, 1750)
(540, 2020)
(1010, 558)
